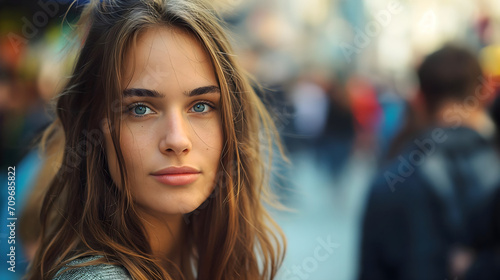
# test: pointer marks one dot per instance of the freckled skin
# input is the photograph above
(171, 133)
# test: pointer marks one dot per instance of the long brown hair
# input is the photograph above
(231, 235)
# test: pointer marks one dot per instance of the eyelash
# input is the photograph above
(133, 105)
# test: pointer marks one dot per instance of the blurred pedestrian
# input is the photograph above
(418, 217)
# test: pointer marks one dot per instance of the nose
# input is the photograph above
(175, 135)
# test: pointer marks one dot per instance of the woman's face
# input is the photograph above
(171, 134)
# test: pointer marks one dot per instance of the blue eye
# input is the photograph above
(200, 107)
(139, 110)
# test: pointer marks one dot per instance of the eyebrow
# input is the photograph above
(202, 90)
(142, 92)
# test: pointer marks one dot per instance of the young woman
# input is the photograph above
(163, 175)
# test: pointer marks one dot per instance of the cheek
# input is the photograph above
(207, 145)
(136, 148)
(131, 151)
(210, 136)
(211, 143)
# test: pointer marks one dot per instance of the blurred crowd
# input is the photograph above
(413, 84)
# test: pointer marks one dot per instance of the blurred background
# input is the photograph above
(339, 77)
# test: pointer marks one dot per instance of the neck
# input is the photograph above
(454, 114)
(166, 236)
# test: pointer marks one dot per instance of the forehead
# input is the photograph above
(167, 57)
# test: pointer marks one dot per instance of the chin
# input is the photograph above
(174, 203)
(180, 206)
(189, 207)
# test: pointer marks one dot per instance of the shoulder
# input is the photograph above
(92, 272)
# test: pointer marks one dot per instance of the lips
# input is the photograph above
(176, 176)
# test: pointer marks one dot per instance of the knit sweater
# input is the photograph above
(93, 272)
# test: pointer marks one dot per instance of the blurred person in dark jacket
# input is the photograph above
(485, 232)
(422, 205)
